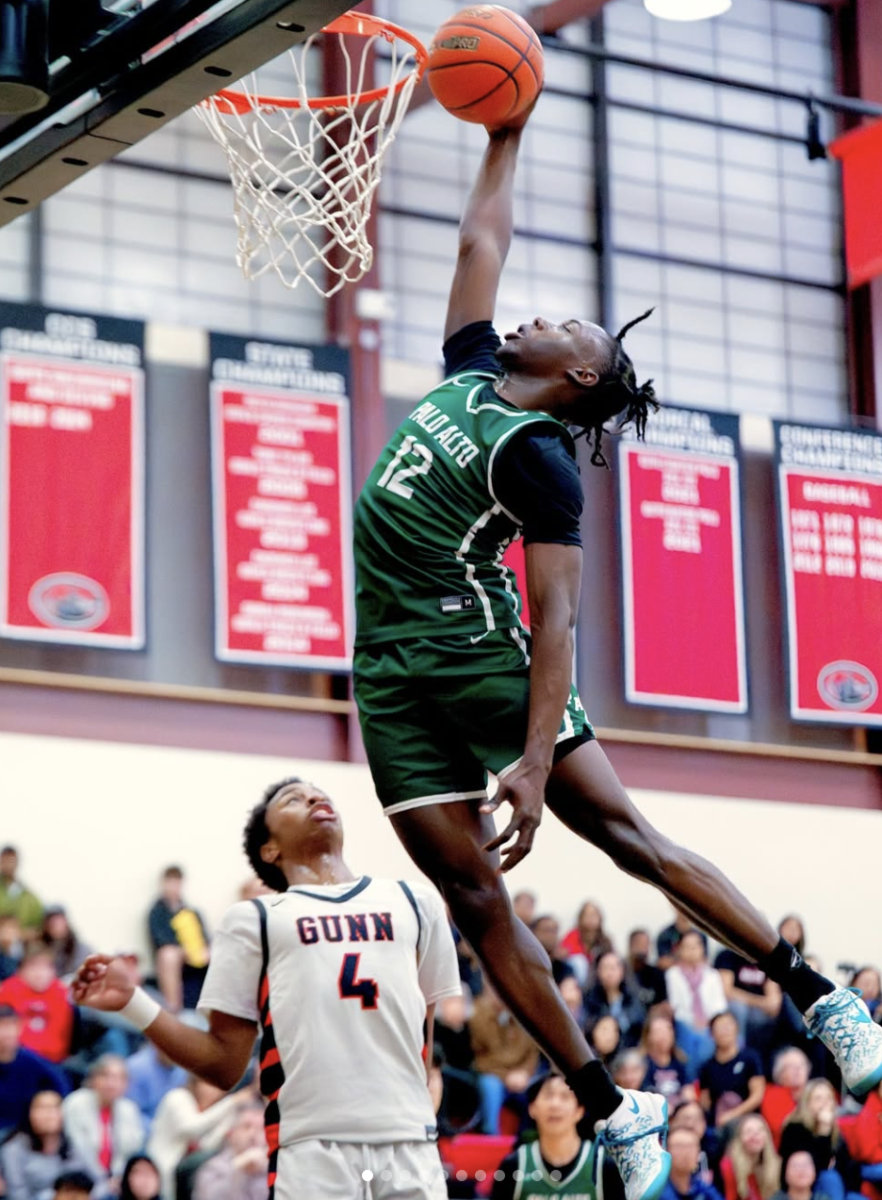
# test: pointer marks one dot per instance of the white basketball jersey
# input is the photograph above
(339, 977)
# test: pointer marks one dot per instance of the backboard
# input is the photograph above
(152, 62)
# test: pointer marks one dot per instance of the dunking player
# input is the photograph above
(449, 684)
(341, 972)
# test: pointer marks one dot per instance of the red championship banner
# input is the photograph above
(830, 508)
(860, 152)
(515, 559)
(71, 478)
(282, 504)
(683, 596)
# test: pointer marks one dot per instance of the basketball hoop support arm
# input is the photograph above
(147, 96)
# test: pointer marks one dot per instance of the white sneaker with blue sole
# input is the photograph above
(843, 1023)
(634, 1138)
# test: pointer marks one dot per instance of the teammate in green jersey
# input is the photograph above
(449, 684)
(559, 1162)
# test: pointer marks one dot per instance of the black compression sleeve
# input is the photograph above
(538, 482)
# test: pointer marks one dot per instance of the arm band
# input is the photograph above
(142, 1010)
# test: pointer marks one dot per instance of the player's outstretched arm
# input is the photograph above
(554, 577)
(485, 232)
(219, 1056)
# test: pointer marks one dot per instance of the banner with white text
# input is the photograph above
(71, 478)
(683, 596)
(282, 504)
(830, 526)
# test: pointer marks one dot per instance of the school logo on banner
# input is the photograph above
(69, 601)
(847, 685)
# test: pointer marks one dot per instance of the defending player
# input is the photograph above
(449, 684)
(341, 972)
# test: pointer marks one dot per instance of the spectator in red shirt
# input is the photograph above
(41, 1002)
(863, 1137)
(790, 1074)
(584, 944)
(751, 1168)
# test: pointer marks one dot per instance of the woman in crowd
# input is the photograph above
(140, 1179)
(610, 997)
(584, 944)
(57, 934)
(573, 998)
(35, 1156)
(751, 1167)
(799, 1179)
(605, 1038)
(813, 1127)
(696, 996)
(664, 1062)
(792, 930)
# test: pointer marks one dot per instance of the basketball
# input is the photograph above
(485, 65)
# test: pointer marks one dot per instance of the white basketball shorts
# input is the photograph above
(319, 1170)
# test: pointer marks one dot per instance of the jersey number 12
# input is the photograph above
(392, 478)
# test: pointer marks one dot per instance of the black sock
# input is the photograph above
(803, 985)
(595, 1091)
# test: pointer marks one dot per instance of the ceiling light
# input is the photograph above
(687, 10)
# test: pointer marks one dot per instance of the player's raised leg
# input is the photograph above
(585, 793)
(445, 841)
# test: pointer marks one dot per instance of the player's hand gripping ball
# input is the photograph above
(486, 65)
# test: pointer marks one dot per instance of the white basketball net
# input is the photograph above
(304, 178)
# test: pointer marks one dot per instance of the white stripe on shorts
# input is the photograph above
(440, 798)
(564, 736)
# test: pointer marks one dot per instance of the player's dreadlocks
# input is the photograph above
(257, 835)
(621, 395)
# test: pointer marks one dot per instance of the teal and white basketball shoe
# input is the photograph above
(843, 1023)
(634, 1138)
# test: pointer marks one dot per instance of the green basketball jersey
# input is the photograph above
(536, 1182)
(429, 531)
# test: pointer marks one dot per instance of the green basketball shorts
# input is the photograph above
(438, 713)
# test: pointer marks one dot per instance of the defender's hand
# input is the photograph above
(103, 982)
(524, 789)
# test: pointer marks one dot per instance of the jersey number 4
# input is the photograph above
(366, 990)
(393, 477)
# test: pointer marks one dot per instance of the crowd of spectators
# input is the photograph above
(757, 1110)
(89, 1108)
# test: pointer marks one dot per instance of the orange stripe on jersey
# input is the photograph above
(270, 1058)
(272, 1137)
